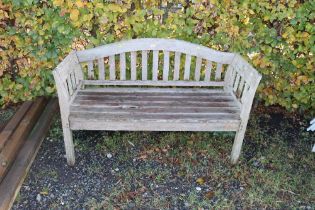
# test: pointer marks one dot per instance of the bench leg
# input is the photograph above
(237, 145)
(69, 145)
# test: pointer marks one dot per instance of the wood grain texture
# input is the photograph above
(166, 65)
(19, 136)
(122, 60)
(9, 128)
(155, 68)
(218, 71)
(155, 44)
(112, 67)
(133, 64)
(144, 64)
(155, 83)
(208, 71)
(90, 70)
(11, 184)
(177, 65)
(101, 69)
(187, 67)
(198, 68)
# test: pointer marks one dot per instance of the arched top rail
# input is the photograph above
(143, 44)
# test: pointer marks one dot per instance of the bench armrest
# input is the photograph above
(242, 81)
(68, 76)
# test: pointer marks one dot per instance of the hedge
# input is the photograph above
(277, 38)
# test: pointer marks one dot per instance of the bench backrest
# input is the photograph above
(155, 62)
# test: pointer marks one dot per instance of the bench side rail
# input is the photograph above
(155, 62)
(68, 76)
(242, 81)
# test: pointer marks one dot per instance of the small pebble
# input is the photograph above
(38, 197)
(198, 188)
(116, 169)
(109, 156)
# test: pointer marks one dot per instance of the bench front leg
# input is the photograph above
(68, 141)
(238, 141)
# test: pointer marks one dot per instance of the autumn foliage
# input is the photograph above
(277, 38)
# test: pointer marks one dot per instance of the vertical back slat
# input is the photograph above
(112, 75)
(144, 63)
(155, 70)
(90, 70)
(187, 67)
(101, 69)
(240, 87)
(122, 62)
(197, 69)
(177, 65)
(218, 71)
(133, 63)
(166, 65)
(246, 88)
(208, 71)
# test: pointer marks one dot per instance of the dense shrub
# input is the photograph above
(277, 37)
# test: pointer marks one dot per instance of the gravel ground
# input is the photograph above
(174, 170)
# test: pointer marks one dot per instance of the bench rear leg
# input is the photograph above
(68, 140)
(237, 145)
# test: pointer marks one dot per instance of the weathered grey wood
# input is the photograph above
(158, 98)
(220, 105)
(144, 63)
(208, 71)
(112, 68)
(155, 70)
(177, 90)
(101, 69)
(197, 69)
(177, 65)
(240, 87)
(116, 103)
(154, 126)
(156, 83)
(218, 71)
(166, 65)
(156, 110)
(90, 70)
(122, 60)
(171, 45)
(192, 95)
(187, 67)
(133, 56)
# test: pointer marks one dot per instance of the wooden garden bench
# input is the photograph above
(155, 85)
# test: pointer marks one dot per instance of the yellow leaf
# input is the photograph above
(200, 181)
(58, 2)
(74, 14)
(79, 3)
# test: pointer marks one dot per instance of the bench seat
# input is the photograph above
(151, 109)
